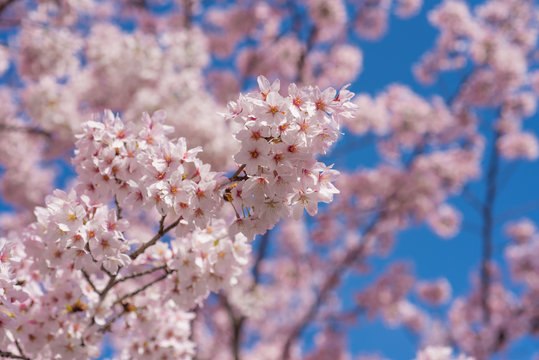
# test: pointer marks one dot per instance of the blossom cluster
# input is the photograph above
(10, 290)
(74, 231)
(143, 169)
(169, 327)
(439, 353)
(56, 321)
(205, 261)
(501, 57)
(280, 139)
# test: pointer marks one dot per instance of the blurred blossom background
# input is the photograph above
(439, 201)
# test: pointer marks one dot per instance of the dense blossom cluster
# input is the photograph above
(280, 138)
(11, 290)
(73, 231)
(143, 169)
(139, 169)
(170, 331)
(207, 261)
(78, 239)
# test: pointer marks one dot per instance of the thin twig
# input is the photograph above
(327, 285)
(126, 307)
(139, 290)
(110, 284)
(507, 173)
(262, 250)
(309, 46)
(108, 324)
(139, 274)
(454, 97)
(87, 277)
(10, 355)
(18, 345)
(118, 208)
(238, 321)
(113, 277)
(162, 232)
(237, 324)
(234, 176)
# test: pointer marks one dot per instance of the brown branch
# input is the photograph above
(139, 274)
(238, 321)
(126, 307)
(141, 4)
(110, 285)
(237, 324)
(108, 324)
(139, 290)
(330, 282)
(162, 232)
(352, 255)
(113, 277)
(87, 277)
(188, 13)
(118, 208)
(235, 176)
(5, 5)
(10, 355)
(303, 57)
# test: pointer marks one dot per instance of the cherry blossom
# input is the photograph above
(176, 186)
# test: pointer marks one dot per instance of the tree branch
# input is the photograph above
(328, 284)
(127, 307)
(87, 277)
(139, 290)
(162, 232)
(488, 210)
(188, 13)
(10, 355)
(351, 256)
(5, 5)
(262, 250)
(237, 322)
(234, 176)
(139, 274)
(118, 208)
(303, 57)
